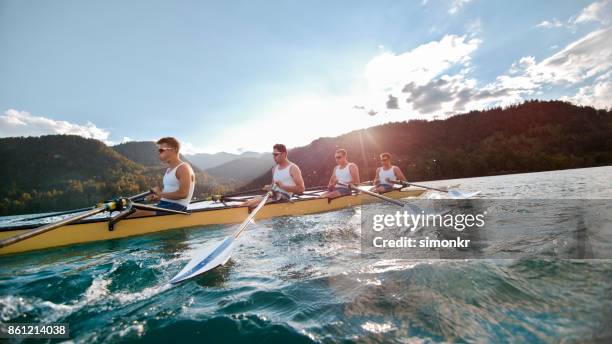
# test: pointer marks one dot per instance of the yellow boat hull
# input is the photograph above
(99, 230)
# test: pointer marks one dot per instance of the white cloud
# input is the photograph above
(22, 123)
(390, 71)
(474, 27)
(190, 149)
(550, 24)
(456, 5)
(426, 93)
(599, 11)
(587, 57)
(598, 95)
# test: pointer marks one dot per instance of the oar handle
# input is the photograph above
(154, 208)
(404, 183)
(140, 195)
(374, 194)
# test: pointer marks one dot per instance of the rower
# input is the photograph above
(178, 181)
(345, 172)
(386, 174)
(286, 179)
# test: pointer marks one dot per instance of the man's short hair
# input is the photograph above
(386, 155)
(341, 151)
(279, 147)
(170, 142)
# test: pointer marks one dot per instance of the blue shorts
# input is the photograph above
(343, 191)
(169, 205)
(280, 197)
(387, 187)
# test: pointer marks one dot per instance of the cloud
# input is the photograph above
(474, 27)
(587, 60)
(549, 25)
(587, 57)
(21, 123)
(598, 95)
(388, 71)
(453, 94)
(392, 103)
(456, 5)
(599, 11)
(190, 149)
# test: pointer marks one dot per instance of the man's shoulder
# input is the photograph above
(185, 166)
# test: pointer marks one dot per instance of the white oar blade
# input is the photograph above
(462, 195)
(206, 259)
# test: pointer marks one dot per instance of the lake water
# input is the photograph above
(304, 279)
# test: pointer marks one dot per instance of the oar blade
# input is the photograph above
(462, 195)
(206, 259)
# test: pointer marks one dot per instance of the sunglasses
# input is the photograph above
(161, 150)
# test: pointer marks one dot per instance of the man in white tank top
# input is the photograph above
(178, 181)
(286, 178)
(386, 174)
(345, 172)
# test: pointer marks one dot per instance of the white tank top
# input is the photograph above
(343, 175)
(384, 174)
(283, 176)
(172, 184)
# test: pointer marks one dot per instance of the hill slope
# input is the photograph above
(242, 170)
(534, 136)
(139, 152)
(59, 172)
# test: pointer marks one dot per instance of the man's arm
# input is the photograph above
(354, 173)
(332, 178)
(297, 178)
(399, 174)
(269, 187)
(376, 181)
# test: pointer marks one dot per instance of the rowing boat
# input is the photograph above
(201, 213)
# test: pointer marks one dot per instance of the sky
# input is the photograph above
(243, 75)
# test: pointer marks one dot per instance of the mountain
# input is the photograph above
(144, 152)
(533, 136)
(205, 161)
(242, 170)
(227, 167)
(59, 172)
(249, 154)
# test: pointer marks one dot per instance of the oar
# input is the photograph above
(374, 194)
(116, 204)
(53, 214)
(232, 196)
(154, 208)
(453, 193)
(132, 198)
(212, 256)
(112, 205)
(404, 183)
